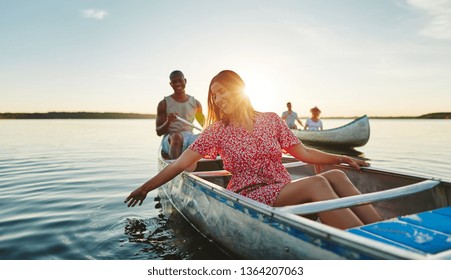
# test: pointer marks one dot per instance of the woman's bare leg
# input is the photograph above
(344, 187)
(317, 188)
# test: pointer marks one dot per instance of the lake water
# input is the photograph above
(63, 182)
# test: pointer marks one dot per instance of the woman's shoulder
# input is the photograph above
(215, 125)
(271, 118)
(269, 115)
(212, 132)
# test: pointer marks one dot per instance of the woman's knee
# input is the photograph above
(323, 189)
(320, 181)
(334, 173)
(320, 188)
(335, 176)
(341, 183)
(301, 191)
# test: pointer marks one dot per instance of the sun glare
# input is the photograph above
(261, 91)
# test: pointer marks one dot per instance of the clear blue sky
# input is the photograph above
(348, 57)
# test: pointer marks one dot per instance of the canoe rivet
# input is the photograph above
(287, 249)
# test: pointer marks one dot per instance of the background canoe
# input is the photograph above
(353, 134)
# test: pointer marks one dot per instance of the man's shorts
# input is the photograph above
(188, 139)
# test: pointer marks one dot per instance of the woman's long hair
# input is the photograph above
(233, 82)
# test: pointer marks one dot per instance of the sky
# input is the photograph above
(348, 57)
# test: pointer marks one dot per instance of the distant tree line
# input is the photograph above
(446, 115)
(436, 116)
(76, 115)
(112, 115)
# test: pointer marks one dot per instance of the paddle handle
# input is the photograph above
(188, 123)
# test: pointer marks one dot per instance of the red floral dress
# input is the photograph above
(254, 158)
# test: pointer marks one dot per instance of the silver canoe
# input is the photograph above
(416, 211)
(353, 134)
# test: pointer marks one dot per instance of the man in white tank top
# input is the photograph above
(177, 135)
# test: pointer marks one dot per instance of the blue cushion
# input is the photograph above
(369, 235)
(443, 211)
(431, 220)
(427, 232)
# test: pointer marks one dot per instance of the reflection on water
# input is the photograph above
(155, 233)
(171, 237)
(340, 150)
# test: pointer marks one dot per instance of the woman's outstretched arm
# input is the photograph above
(188, 158)
(314, 156)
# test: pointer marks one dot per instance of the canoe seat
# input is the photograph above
(218, 173)
(349, 201)
(427, 232)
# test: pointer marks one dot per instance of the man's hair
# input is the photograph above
(176, 72)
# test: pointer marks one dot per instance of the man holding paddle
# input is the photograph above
(175, 116)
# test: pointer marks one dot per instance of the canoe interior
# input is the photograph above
(223, 217)
(367, 181)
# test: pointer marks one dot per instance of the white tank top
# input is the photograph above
(186, 110)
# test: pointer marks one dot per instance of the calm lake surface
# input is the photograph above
(63, 182)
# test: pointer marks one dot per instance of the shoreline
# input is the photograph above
(75, 115)
(114, 115)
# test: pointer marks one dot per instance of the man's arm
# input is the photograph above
(162, 121)
(300, 122)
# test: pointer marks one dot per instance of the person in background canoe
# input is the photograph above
(290, 117)
(250, 145)
(177, 136)
(314, 123)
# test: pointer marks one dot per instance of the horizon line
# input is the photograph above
(446, 115)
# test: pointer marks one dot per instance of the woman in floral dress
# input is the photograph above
(250, 145)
